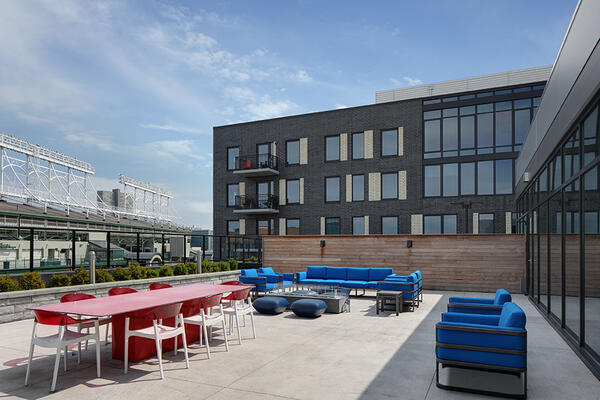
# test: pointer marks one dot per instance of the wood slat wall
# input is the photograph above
(448, 262)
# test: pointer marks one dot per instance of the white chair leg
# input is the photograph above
(158, 351)
(175, 343)
(237, 325)
(253, 329)
(106, 337)
(126, 354)
(224, 330)
(200, 334)
(31, 347)
(98, 366)
(185, 351)
(206, 340)
(57, 360)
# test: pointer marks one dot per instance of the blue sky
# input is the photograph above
(135, 87)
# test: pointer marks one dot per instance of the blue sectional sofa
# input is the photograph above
(471, 305)
(495, 343)
(285, 279)
(355, 278)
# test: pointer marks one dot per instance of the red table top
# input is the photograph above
(125, 303)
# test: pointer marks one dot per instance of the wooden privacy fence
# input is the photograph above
(448, 262)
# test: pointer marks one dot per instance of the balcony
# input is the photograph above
(263, 204)
(257, 166)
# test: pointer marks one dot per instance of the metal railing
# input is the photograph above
(257, 161)
(262, 201)
(60, 249)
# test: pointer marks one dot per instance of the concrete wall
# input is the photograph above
(13, 305)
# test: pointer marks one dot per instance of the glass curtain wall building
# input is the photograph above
(558, 191)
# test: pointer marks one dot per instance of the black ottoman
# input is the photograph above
(309, 308)
(270, 305)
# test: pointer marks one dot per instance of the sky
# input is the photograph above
(135, 87)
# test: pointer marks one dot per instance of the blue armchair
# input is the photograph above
(418, 281)
(495, 343)
(284, 279)
(261, 283)
(408, 285)
(470, 305)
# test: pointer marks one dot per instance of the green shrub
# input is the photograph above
(121, 274)
(233, 265)
(135, 271)
(224, 266)
(103, 275)
(32, 280)
(149, 273)
(210, 266)
(7, 284)
(81, 277)
(165, 270)
(59, 280)
(192, 268)
(180, 269)
(252, 259)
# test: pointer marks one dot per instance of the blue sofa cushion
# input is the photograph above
(371, 284)
(419, 275)
(456, 308)
(249, 272)
(270, 305)
(506, 360)
(309, 308)
(355, 284)
(332, 282)
(264, 288)
(314, 272)
(337, 273)
(358, 274)
(379, 274)
(502, 296)
(309, 281)
(267, 271)
(512, 316)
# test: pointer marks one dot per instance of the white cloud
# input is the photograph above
(302, 76)
(91, 140)
(175, 150)
(240, 93)
(412, 81)
(266, 108)
(200, 206)
(174, 128)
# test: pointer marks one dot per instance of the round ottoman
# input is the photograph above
(270, 305)
(304, 292)
(310, 308)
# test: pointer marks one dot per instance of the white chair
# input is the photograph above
(239, 304)
(67, 298)
(158, 331)
(61, 340)
(210, 315)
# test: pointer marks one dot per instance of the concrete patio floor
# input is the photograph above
(357, 355)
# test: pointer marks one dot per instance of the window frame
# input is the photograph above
(287, 142)
(238, 226)
(397, 224)
(363, 225)
(493, 223)
(287, 225)
(397, 188)
(235, 167)
(363, 145)
(363, 187)
(339, 196)
(339, 225)
(339, 149)
(287, 182)
(381, 132)
(238, 193)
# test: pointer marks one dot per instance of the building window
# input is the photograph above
(432, 139)
(265, 227)
(432, 180)
(485, 177)
(358, 187)
(232, 193)
(358, 146)
(358, 225)
(389, 225)
(292, 191)
(332, 189)
(332, 226)
(439, 224)
(292, 152)
(292, 226)
(504, 176)
(233, 154)
(263, 152)
(332, 148)
(467, 178)
(389, 186)
(389, 142)
(450, 179)
(233, 227)
(486, 223)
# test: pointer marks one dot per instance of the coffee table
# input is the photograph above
(337, 299)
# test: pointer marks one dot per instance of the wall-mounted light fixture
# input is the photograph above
(322, 243)
(409, 243)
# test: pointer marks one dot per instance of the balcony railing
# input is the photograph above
(262, 204)
(257, 165)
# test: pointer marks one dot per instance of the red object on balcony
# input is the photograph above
(122, 306)
(248, 164)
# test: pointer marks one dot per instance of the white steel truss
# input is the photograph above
(35, 175)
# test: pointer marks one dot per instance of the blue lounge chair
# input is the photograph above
(470, 305)
(419, 282)
(261, 283)
(284, 279)
(408, 285)
(496, 343)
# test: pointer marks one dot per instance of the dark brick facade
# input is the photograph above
(316, 126)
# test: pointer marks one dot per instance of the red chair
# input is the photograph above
(159, 285)
(210, 314)
(62, 339)
(119, 290)
(67, 298)
(158, 331)
(227, 297)
(240, 304)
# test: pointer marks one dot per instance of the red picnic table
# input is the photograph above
(120, 306)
